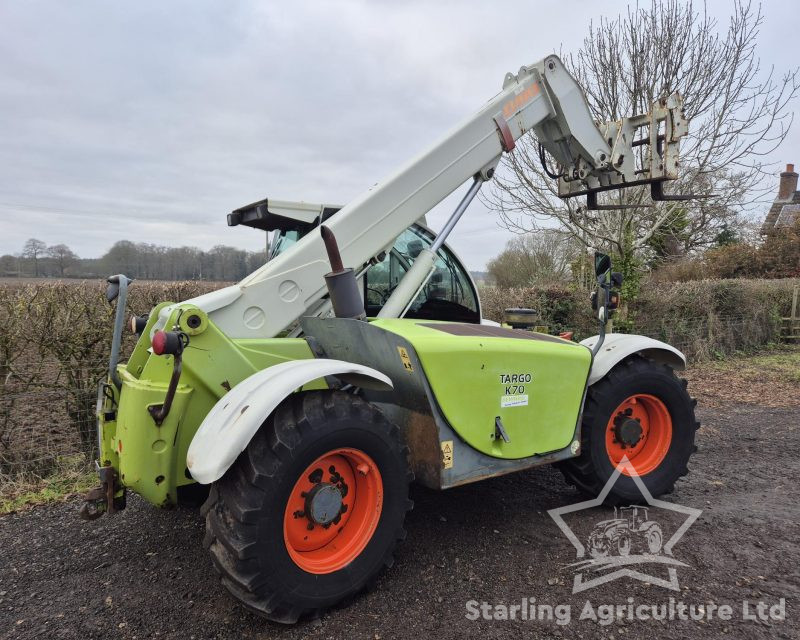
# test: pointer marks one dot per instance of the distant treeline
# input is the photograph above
(134, 259)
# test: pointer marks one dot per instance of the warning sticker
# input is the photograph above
(447, 454)
(519, 400)
(405, 359)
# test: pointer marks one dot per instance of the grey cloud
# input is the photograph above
(150, 121)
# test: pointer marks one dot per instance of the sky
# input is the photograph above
(150, 121)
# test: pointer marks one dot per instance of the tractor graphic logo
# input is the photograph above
(630, 530)
(621, 547)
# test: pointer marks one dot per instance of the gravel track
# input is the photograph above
(143, 573)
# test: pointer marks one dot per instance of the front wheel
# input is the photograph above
(640, 412)
(312, 509)
(655, 539)
(624, 545)
(598, 546)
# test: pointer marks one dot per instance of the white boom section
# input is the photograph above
(292, 285)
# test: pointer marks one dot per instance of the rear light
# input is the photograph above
(167, 342)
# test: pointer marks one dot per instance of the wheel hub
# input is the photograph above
(333, 510)
(628, 431)
(323, 503)
(639, 429)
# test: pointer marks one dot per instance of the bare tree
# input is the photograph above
(534, 259)
(8, 265)
(738, 111)
(32, 250)
(63, 256)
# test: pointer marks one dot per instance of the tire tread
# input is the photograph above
(232, 508)
(580, 472)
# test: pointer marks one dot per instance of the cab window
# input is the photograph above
(282, 240)
(448, 294)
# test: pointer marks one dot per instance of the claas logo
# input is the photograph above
(520, 100)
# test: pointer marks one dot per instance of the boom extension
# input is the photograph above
(543, 98)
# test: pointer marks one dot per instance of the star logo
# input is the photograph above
(610, 550)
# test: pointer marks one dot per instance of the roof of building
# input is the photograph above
(782, 213)
(788, 215)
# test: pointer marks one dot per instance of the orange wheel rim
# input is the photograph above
(333, 511)
(641, 429)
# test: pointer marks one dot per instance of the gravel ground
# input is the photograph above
(143, 573)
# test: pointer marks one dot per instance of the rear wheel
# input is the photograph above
(312, 509)
(640, 411)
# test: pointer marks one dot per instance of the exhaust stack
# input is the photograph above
(341, 282)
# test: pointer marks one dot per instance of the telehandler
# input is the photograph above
(309, 395)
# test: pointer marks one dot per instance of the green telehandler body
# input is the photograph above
(306, 398)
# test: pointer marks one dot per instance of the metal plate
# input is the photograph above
(413, 407)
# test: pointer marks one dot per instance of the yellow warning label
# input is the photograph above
(406, 360)
(447, 454)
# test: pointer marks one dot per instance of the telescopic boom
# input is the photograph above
(542, 98)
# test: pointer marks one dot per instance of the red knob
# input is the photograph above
(159, 342)
(169, 342)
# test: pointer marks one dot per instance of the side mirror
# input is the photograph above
(602, 264)
(112, 290)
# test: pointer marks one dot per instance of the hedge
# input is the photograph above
(704, 318)
(55, 339)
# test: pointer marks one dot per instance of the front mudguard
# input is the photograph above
(618, 346)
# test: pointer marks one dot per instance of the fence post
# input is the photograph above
(790, 327)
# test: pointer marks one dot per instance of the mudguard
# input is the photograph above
(234, 420)
(618, 346)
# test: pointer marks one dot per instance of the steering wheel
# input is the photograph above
(382, 295)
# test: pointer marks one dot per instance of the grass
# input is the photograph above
(783, 365)
(770, 378)
(72, 476)
(780, 363)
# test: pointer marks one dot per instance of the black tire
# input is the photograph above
(245, 509)
(590, 471)
(193, 495)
